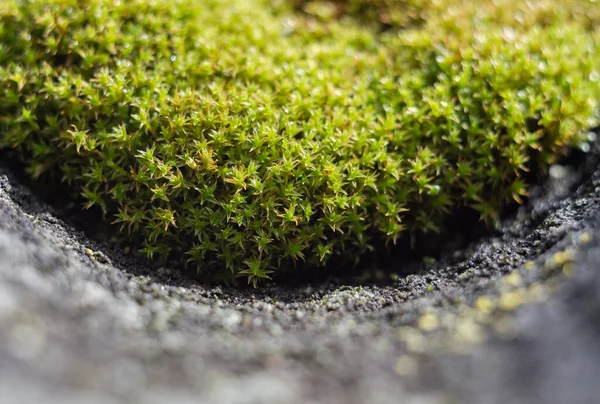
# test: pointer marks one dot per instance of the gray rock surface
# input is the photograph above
(514, 318)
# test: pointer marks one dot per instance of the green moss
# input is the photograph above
(244, 138)
(402, 14)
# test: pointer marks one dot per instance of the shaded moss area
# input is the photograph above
(242, 138)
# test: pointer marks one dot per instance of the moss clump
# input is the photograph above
(247, 138)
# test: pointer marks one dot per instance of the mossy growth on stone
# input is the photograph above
(244, 137)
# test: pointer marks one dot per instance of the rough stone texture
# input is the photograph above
(514, 318)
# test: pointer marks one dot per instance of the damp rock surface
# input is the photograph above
(513, 318)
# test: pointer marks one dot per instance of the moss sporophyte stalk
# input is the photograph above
(247, 136)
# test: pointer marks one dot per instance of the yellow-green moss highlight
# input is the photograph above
(247, 136)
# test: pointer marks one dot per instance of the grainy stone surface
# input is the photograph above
(513, 318)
